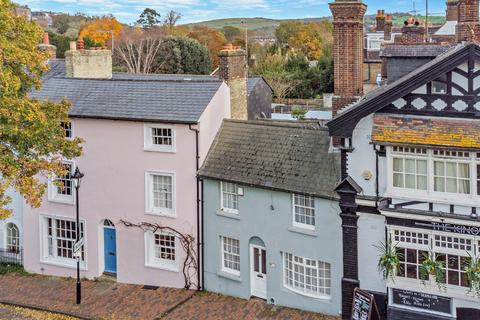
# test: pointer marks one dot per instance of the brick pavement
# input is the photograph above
(110, 300)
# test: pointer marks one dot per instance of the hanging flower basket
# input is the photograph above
(472, 272)
(389, 259)
(431, 267)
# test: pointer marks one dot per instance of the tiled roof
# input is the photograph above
(417, 50)
(166, 101)
(428, 131)
(282, 155)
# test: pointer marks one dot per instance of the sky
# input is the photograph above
(127, 11)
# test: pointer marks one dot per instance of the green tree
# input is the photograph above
(32, 141)
(183, 55)
(169, 58)
(149, 18)
(61, 42)
(61, 22)
(231, 33)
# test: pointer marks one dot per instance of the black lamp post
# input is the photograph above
(77, 177)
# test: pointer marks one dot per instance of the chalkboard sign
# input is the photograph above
(363, 305)
(421, 300)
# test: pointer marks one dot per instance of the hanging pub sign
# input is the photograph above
(364, 307)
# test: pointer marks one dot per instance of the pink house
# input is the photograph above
(145, 136)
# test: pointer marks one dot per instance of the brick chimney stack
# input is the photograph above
(452, 10)
(88, 64)
(347, 51)
(388, 27)
(412, 33)
(47, 47)
(380, 19)
(468, 26)
(233, 70)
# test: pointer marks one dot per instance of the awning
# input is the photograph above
(392, 129)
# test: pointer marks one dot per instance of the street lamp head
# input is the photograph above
(77, 176)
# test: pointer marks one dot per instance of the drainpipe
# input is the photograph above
(197, 167)
(376, 176)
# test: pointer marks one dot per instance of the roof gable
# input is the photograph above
(383, 97)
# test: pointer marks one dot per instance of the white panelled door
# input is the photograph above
(258, 271)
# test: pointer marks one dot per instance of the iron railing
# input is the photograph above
(8, 256)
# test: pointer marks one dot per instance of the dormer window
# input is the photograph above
(159, 138)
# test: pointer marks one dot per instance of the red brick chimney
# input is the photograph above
(452, 10)
(347, 51)
(412, 32)
(388, 27)
(468, 26)
(47, 47)
(380, 19)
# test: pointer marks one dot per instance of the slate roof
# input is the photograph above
(140, 100)
(427, 131)
(57, 69)
(413, 51)
(344, 123)
(280, 155)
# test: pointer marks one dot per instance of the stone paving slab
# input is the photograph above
(111, 300)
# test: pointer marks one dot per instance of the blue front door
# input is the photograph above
(110, 250)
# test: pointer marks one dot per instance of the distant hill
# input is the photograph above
(269, 25)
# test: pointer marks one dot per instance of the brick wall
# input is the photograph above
(452, 10)
(233, 70)
(468, 27)
(411, 34)
(388, 28)
(380, 19)
(347, 49)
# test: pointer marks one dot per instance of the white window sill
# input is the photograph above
(228, 214)
(164, 267)
(322, 298)
(308, 232)
(229, 276)
(62, 201)
(160, 150)
(64, 264)
(161, 214)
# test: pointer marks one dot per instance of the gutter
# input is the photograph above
(199, 235)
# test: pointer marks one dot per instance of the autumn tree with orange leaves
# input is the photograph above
(101, 30)
(213, 39)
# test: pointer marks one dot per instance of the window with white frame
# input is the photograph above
(229, 196)
(59, 236)
(68, 127)
(61, 189)
(13, 238)
(160, 193)
(230, 255)
(306, 276)
(304, 211)
(159, 137)
(435, 172)
(162, 250)
(414, 246)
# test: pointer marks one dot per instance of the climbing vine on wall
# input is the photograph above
(187, 241)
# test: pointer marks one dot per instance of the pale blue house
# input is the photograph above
(11, 231)
(271, 220)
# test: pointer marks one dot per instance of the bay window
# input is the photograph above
(414, 246)
(306, 276)
(421, 171)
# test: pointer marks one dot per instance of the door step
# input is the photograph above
(108, 276)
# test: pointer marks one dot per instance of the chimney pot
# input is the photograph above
(45, 38)
(73, 46)
(80, 44)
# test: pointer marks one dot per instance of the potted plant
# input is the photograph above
(472, 272)
(432, 267)
(389, 259)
